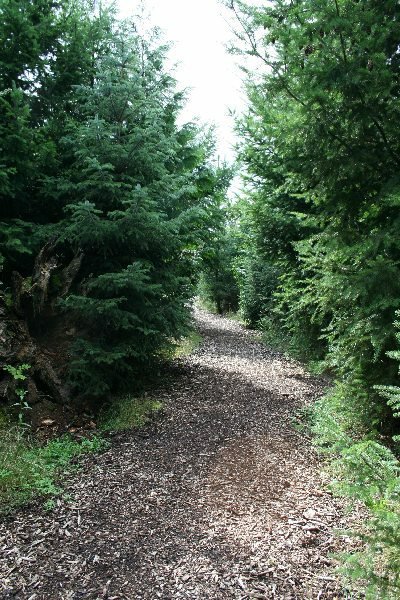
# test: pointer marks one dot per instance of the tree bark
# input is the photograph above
(33, 330)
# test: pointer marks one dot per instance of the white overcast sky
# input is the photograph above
(199, 32)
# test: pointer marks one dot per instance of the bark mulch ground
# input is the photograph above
(220, 498)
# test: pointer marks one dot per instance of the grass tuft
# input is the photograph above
(128, 413)
(28, 471)
(187, 345)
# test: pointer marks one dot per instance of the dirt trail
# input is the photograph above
(221, 498)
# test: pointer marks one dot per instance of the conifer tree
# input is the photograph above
(321, 143)
(110, 211)
(132, 207)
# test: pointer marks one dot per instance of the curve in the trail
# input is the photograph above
(221, 498)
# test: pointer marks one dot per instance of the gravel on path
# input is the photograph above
(220, 498)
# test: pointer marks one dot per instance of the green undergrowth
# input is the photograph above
(205, 303)
(133, 412)
(363, 467)
(29, 471)
(187, 345)
(234, 316)
(128, 412)
(295, 346)
(183, 346)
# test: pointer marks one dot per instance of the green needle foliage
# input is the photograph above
(95, 168)
(128, 169)
(320, 148)
(391, 393)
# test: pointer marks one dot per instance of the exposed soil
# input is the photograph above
(220, 498)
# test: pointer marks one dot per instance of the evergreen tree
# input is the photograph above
(321, 149)
(49, 47)
(132, 207)
(102, 240)
(321, 144)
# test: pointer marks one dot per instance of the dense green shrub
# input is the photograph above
(257, 282)
(320, 149)
(365, 470)
(217, 284)
(391, 393)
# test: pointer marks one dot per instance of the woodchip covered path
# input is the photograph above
(219, 498)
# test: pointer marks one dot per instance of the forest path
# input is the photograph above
(221, 498)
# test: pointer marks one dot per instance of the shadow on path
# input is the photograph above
(221, 498)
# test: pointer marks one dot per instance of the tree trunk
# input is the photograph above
(34, 332)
